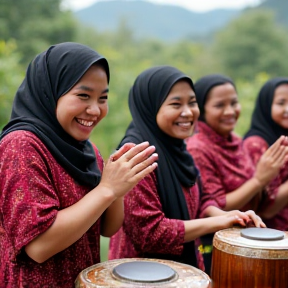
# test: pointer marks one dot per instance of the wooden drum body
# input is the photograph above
(239, 262)
(104, 275)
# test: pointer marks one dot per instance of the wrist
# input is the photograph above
(106, 192)
(257, 183)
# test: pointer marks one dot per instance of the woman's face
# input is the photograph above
(279, 109)
(84, 106)
(179, 112)
(222, 109)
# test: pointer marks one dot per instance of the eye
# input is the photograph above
(176, 104)
(84, 96)
(103, 99)
(193, 103)
(219, 105)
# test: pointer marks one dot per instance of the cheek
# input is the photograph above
(238, 111)
(196, 113)
(275, 113)
(104, 110)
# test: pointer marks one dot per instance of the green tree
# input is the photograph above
(251, 44)
(35, 24)
(11, 75)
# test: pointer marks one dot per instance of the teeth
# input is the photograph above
(186, 124)
(85, 123)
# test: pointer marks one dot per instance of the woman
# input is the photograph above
(230, 180)
(55, 201)
(269, 122)
(161, 211)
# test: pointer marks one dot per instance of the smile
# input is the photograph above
(184, 124)
(85, 123)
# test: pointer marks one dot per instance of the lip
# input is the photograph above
(86, 122)
(229, 121)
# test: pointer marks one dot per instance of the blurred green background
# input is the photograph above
(251, 48)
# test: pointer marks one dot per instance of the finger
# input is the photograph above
(142, 165)
(126, 147)
(143, 173)
(141, 156)
(238, 220)
(137, 150)
(285, 141)
(279, 153)
(255, 218)
(275, 146)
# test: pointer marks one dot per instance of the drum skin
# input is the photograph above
(238, 262)
(101, 275)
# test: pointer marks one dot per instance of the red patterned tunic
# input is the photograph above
(256, 147)
(33, 188)
(224, 166)
(146, 229)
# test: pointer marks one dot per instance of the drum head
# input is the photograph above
(262, 234)
(144, 271)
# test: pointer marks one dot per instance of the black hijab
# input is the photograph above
(50, 75)
(204, 85)
(175, 165)
(262, 123)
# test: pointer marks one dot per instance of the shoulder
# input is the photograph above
(196, 141)
(22, 141)
(255, 143)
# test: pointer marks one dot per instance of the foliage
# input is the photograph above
(280, 7)
(11, 75)
(34, 25)
(247, 93)
(252, 44)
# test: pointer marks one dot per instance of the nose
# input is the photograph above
(186, 111)
(286, 109)
(93, 109)
(229, 110)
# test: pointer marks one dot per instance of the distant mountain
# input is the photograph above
(280, 7)
(145, 19)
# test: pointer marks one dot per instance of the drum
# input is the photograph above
(142, 272)
(250, 258)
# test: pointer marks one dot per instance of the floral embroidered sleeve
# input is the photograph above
(145, 223)
(256, 147)
(213, 192)
(26, 212)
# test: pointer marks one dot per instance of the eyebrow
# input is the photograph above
(86, 88)
(178, 97)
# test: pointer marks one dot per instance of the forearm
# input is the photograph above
(212, 211)
(113, 218)
(199, 227)
(241, 196)
(70, 224)
(281, 200)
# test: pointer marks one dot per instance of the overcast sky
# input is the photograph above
(194, 5)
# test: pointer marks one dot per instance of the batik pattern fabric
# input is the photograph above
(256, 146)
(146, 231)
(224, 166)
(34, 187)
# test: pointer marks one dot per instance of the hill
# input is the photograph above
(280, 7)
(165, 22)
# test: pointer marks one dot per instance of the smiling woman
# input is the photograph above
(56, 196)
(161, 211)
(230, 178)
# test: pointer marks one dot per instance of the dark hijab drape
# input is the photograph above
(175, 165)
(50, 75)
(262, 123)
(204, 85)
